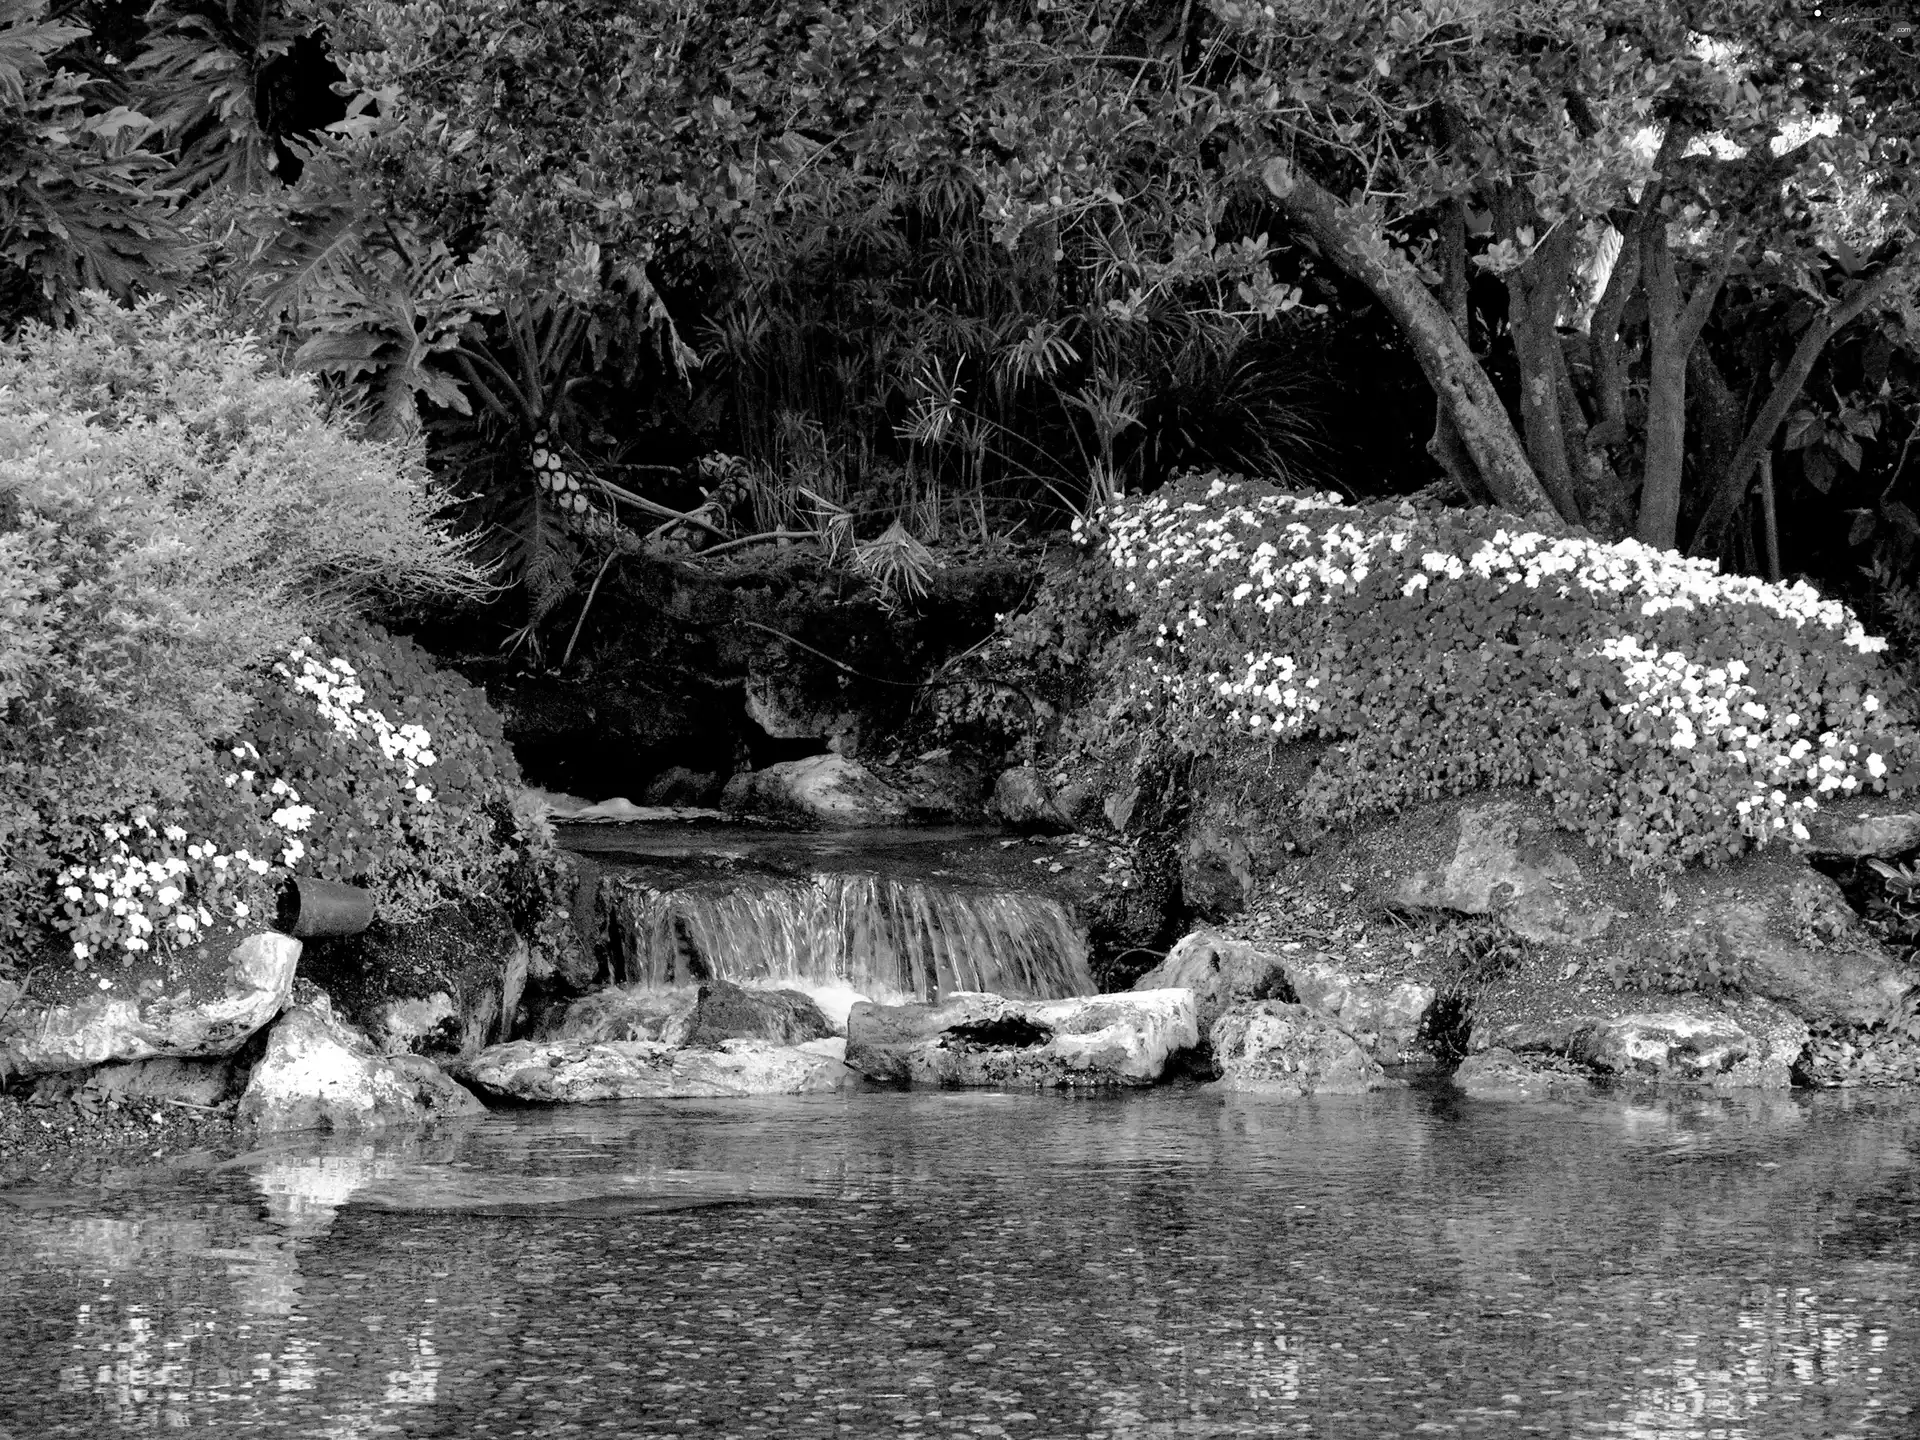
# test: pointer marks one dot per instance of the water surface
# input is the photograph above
(1175, 1263)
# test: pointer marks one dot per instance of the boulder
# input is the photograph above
(1508, 858)
(824, 789)
(971, 1039)
(1270, 1047)
(1024, 800)
(1504, 1075)
(573, 1071)
(1794, 939)
(1220, 971)
(319, 1073)
(1868, 828)
(136, 1014)
(726, 1011)
(1384, 1016)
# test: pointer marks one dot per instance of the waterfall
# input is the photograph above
(888, 939)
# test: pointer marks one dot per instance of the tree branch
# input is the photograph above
(1451, 367)
(1732, 487)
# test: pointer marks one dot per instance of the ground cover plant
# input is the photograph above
(1670, 712)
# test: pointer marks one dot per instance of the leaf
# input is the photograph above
(1849, 450)
(1817, 466)
(1903, 517)
(1803, 428)
(1864, 523)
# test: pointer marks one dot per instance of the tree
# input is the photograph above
(1617, 158)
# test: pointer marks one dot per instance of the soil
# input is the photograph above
(41, 1132)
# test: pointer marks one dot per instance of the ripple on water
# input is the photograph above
(1168, 1264)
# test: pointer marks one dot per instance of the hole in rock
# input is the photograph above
(1012, 1032)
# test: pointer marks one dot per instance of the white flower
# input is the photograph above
(1876, 767)
(168, 895)
(80, 952)
(423, 794)
(72, 892)
(259, 867)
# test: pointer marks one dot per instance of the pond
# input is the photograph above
(1169, 1263)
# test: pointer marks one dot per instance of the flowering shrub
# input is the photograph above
(1670, 712)
(172, 512)
(382, 771)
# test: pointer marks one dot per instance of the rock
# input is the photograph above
(1741, 1044)
(1217, 852)
(1795, 939)
(1220, 971)
(1695, 1046)
(627, 1012)
(828, 789)
(728, 1012)
(1384, 1017)
(679, 786)
(573, 1071)
(1022, 798)
(1509, 860)
(194, 1082)
(622, 811)
(1269, 1047)
(1118, 808)
(208, 1016)
(1862, 829)
(882, 1038)
(780, 703)
(971, 1039)
(443, 986)
(319, 1073)
(1503, 1075)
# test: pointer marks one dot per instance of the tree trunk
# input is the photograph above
(1445, 445)
(1459, 382)
(1674, 324)
(1534, 292)
(1732, 489)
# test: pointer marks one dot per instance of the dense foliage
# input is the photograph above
(173, 514)
(1670, 712)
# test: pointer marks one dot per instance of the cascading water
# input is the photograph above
(888, 939)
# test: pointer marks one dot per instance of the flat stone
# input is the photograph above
(207, 1019)
(1512, 863)
(1270, 1047)
(1744, 1044)
(976, 1039)
(1504, 1075)
(827, 789)
(319, 1073)
(574, 1071)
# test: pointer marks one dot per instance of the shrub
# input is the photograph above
(1669, 712)
(173, 513)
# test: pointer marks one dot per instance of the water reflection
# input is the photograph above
(1161, 1265)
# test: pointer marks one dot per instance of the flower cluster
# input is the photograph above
(153, 884)
(340, 698)
(1670, 712)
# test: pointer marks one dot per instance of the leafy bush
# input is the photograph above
(173, 513)
(1670, 713)
(1690, 964)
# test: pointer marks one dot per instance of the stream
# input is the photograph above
(882, 1263)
